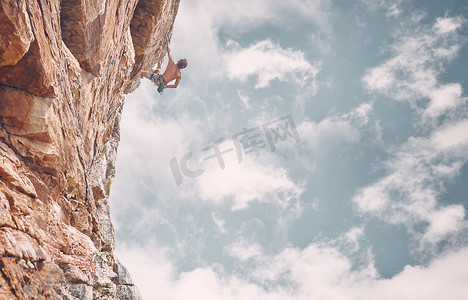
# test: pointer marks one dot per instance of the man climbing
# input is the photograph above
(171, 73)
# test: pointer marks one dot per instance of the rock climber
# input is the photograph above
(171, 73)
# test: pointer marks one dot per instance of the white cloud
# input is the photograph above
(244, 14)
(374, 199)
(408, 194)
(150, 141)
(393, 7)
(144, 192)
(443, 278)
(352, 238)
(337, 128)
(198, 24)
(452, 137)
(446, 25)
(444, 98)
(247, 182)
(393, 11)
(267, 62)
(244, 99)
(327, 131)
(315, 272)
(445, 221)
(242, 250)
(412, 73)
(220, 223)
(418, 170)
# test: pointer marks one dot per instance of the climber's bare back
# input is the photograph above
(172, 72)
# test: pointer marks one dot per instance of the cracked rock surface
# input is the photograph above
(64, 69)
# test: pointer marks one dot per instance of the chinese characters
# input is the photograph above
(250, 141)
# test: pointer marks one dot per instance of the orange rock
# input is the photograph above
(64, 69)
(15, 31)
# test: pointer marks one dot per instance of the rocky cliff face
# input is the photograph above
(64, 69)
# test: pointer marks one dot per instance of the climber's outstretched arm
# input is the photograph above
(168, 52)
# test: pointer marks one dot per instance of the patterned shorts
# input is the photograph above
(158, 80)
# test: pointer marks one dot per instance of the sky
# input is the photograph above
(314, 149)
